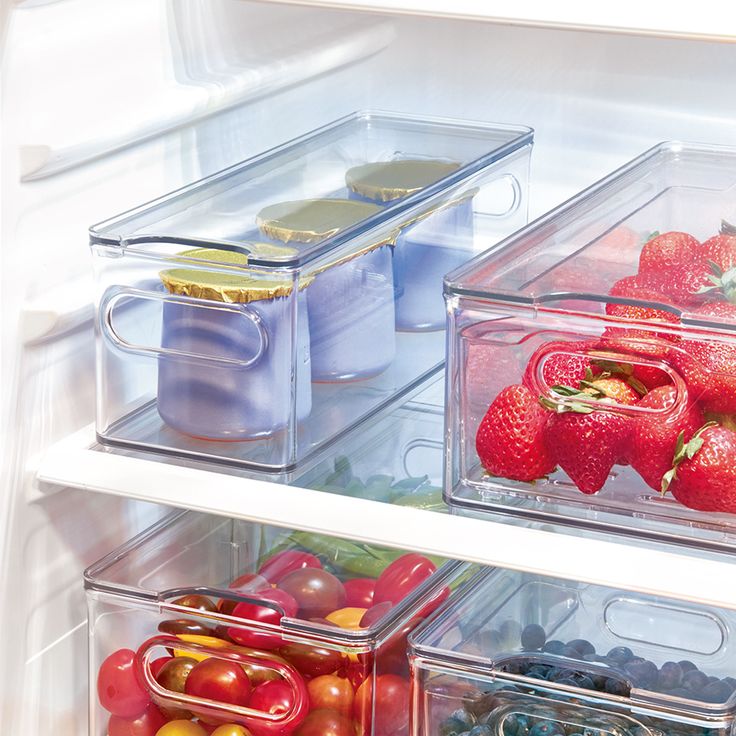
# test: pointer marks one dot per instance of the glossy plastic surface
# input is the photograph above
(189, 372)
(517, 653)
(536, 305)
(277, 603)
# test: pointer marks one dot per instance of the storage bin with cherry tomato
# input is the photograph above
(204, 625)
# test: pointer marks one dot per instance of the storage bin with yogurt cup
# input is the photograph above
(205, 622)
(517, 654)
(250, 317)
(592, 360)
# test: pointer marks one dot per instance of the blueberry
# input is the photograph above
(546, 728)
(615, 687)
(711, 679)
(686, 665)
(669, 677)
(716, 692)
(584, 682)
(583, 646)
(554, 647)
(515, 725)
(731, 681)
(570, 652)
(620, 655)
(679, 692)
(539, 671)
(482, 730)
(457, 723)
(694, 680)
(533, 637)
(599, 682)
(510, 632)
(644, 673)
(516, 666)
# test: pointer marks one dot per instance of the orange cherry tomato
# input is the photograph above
(231, 729)
(181, 728)
(346, 618)
(331, 692)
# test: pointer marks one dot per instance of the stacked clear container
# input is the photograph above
(523, 655)
(258, 314)
(616, 312)
(204, 622)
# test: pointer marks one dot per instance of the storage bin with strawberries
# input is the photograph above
(592, 366)
(203, 624)
(518, 654)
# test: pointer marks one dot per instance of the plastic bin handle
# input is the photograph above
(227, 711)
(114, 296)
(516, 192)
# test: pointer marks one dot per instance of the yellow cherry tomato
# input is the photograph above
(347, 618)
(181, 728)
(210, 641)
(231, 729)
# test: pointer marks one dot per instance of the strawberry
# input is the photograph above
(510, 439)
(585, 440)
(683, 285)
(703, 474)
(557, 364)
(719, 253)
(654, 436)
(708, 366)
(667, 250)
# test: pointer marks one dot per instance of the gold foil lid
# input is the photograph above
(312, 220)
(385, 181)
(238, 287)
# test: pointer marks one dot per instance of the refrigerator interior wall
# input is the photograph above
(110, 104)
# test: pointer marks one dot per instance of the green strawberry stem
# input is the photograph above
(618, 369)
(684, 451)
(723, 281)
(727, 228)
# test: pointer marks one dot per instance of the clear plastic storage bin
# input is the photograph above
(212, 622)
(592, 362)
(252, 316)
(516, 654)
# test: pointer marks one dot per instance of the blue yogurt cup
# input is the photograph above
(226, 360)
(427, 248)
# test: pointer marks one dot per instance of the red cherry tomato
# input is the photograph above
(392, 706)
(436, 601)
(326, 723)
(197, 602)
(246, 584)
(359, 592)
(218, 680)
(263, 614)
(401, 577)
(146, 724)
(375, 614)
(331, 692)
(391, 656)
(118, 687)
(157, 664)
(317, 592)
(276, 697)
(277, 567)
(312, 661)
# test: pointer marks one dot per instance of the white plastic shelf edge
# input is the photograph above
(72, 462)
(712, 21)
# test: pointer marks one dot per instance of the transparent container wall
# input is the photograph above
(358, 319)
(305, 631)
(571, 301)
(521, 654)
(397, 459)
